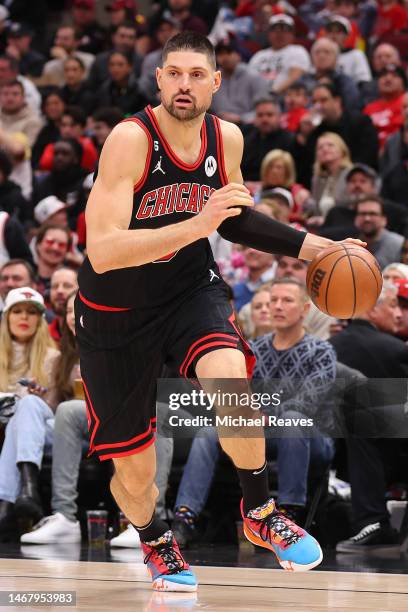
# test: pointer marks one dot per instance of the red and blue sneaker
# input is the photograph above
(166, 565)
(295, 549)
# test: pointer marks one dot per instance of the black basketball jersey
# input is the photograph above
(169, 191)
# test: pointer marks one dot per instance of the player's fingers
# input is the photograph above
(232, 212)
(237, 186)
(355, 241)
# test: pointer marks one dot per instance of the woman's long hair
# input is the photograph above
(287, 160)
(68, 358)
(35, 352)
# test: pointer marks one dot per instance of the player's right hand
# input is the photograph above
(222, 204)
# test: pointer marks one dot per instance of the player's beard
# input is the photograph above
(188, 114)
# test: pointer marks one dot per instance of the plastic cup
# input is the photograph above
(78, 389)
(123, 522)
(97, 524)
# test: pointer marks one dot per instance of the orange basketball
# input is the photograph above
(344, 281)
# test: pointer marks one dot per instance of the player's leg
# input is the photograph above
(264, 526)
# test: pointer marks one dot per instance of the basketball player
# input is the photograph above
(151, 294)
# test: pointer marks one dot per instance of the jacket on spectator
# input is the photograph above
(256, 146)
(13, 202)
(130, 99)
(99, 71)
(48, 134)
(13, 244)
(347, 88)
(386, 115)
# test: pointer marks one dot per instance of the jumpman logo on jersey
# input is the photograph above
(213, 275)
(158, 167)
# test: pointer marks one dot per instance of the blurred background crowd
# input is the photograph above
(320, 92)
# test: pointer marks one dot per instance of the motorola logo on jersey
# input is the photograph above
(210, 166)
(176, 198)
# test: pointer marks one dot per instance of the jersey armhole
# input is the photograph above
(220, 151)
(143, 178)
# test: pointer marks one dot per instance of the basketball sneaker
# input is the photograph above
(295, 549)
(168, 569)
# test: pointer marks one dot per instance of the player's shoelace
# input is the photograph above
(166, 558)
(275, 525)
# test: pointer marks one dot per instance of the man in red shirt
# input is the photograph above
(391, 17)
(386, 110)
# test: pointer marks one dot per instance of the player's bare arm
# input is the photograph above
(111, 245)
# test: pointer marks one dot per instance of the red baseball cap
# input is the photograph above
(86, 4)
(402, 286)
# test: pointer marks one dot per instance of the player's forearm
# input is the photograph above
(128, 248)
(312, 245)
(253, 229)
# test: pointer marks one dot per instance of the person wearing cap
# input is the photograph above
(283, 62)
(352, 62)
(242, 86)
(361, 180)
(28, 353)
(386, 111)
(124, 38)
(19, 38)
(66, 44)
(51, 210)
(92, 34)
(166, 28)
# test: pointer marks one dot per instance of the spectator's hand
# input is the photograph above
(58, 53)
(12, 51)
(33, 387)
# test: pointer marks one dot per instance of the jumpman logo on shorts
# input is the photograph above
(213, 275)
(158, 167)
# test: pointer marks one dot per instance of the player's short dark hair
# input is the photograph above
(19, 262)
(77, 114)
(111, 115)
(190, 41)
(14, 83)
(370, 197)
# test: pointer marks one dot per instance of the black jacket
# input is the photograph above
(256, 146)
(129, 98)
(374, 353)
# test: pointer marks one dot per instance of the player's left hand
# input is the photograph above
(349, 241)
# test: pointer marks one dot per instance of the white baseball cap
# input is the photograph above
(26, 295)
(280, 192)
(340, 20)
(48, 207)
(88, 181)
(281, 19)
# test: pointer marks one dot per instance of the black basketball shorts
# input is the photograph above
(123, 352)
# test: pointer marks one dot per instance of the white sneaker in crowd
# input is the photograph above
(55, 528)
(127, 539)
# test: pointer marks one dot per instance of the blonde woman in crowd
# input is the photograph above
(27, 358)
(332, 162)
(278, 170)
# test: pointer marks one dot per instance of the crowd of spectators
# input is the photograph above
(319, 89)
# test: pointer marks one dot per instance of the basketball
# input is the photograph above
(344, 281)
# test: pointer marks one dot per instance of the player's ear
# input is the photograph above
(158, 76)
(217, 81)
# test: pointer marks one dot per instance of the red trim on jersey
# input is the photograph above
(90, 407)
(228, 336)
(250, 358)
(176, 160)
(143, 178)
(222, 343)
(100, 306)
(220, 150)
(134, 451)
(128, 442)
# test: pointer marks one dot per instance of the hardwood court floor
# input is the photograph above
(123, 587)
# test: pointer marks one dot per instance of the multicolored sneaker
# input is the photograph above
(166, 565)
(295, 549)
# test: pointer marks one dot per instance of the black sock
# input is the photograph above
(254, 485)
(153, 530)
